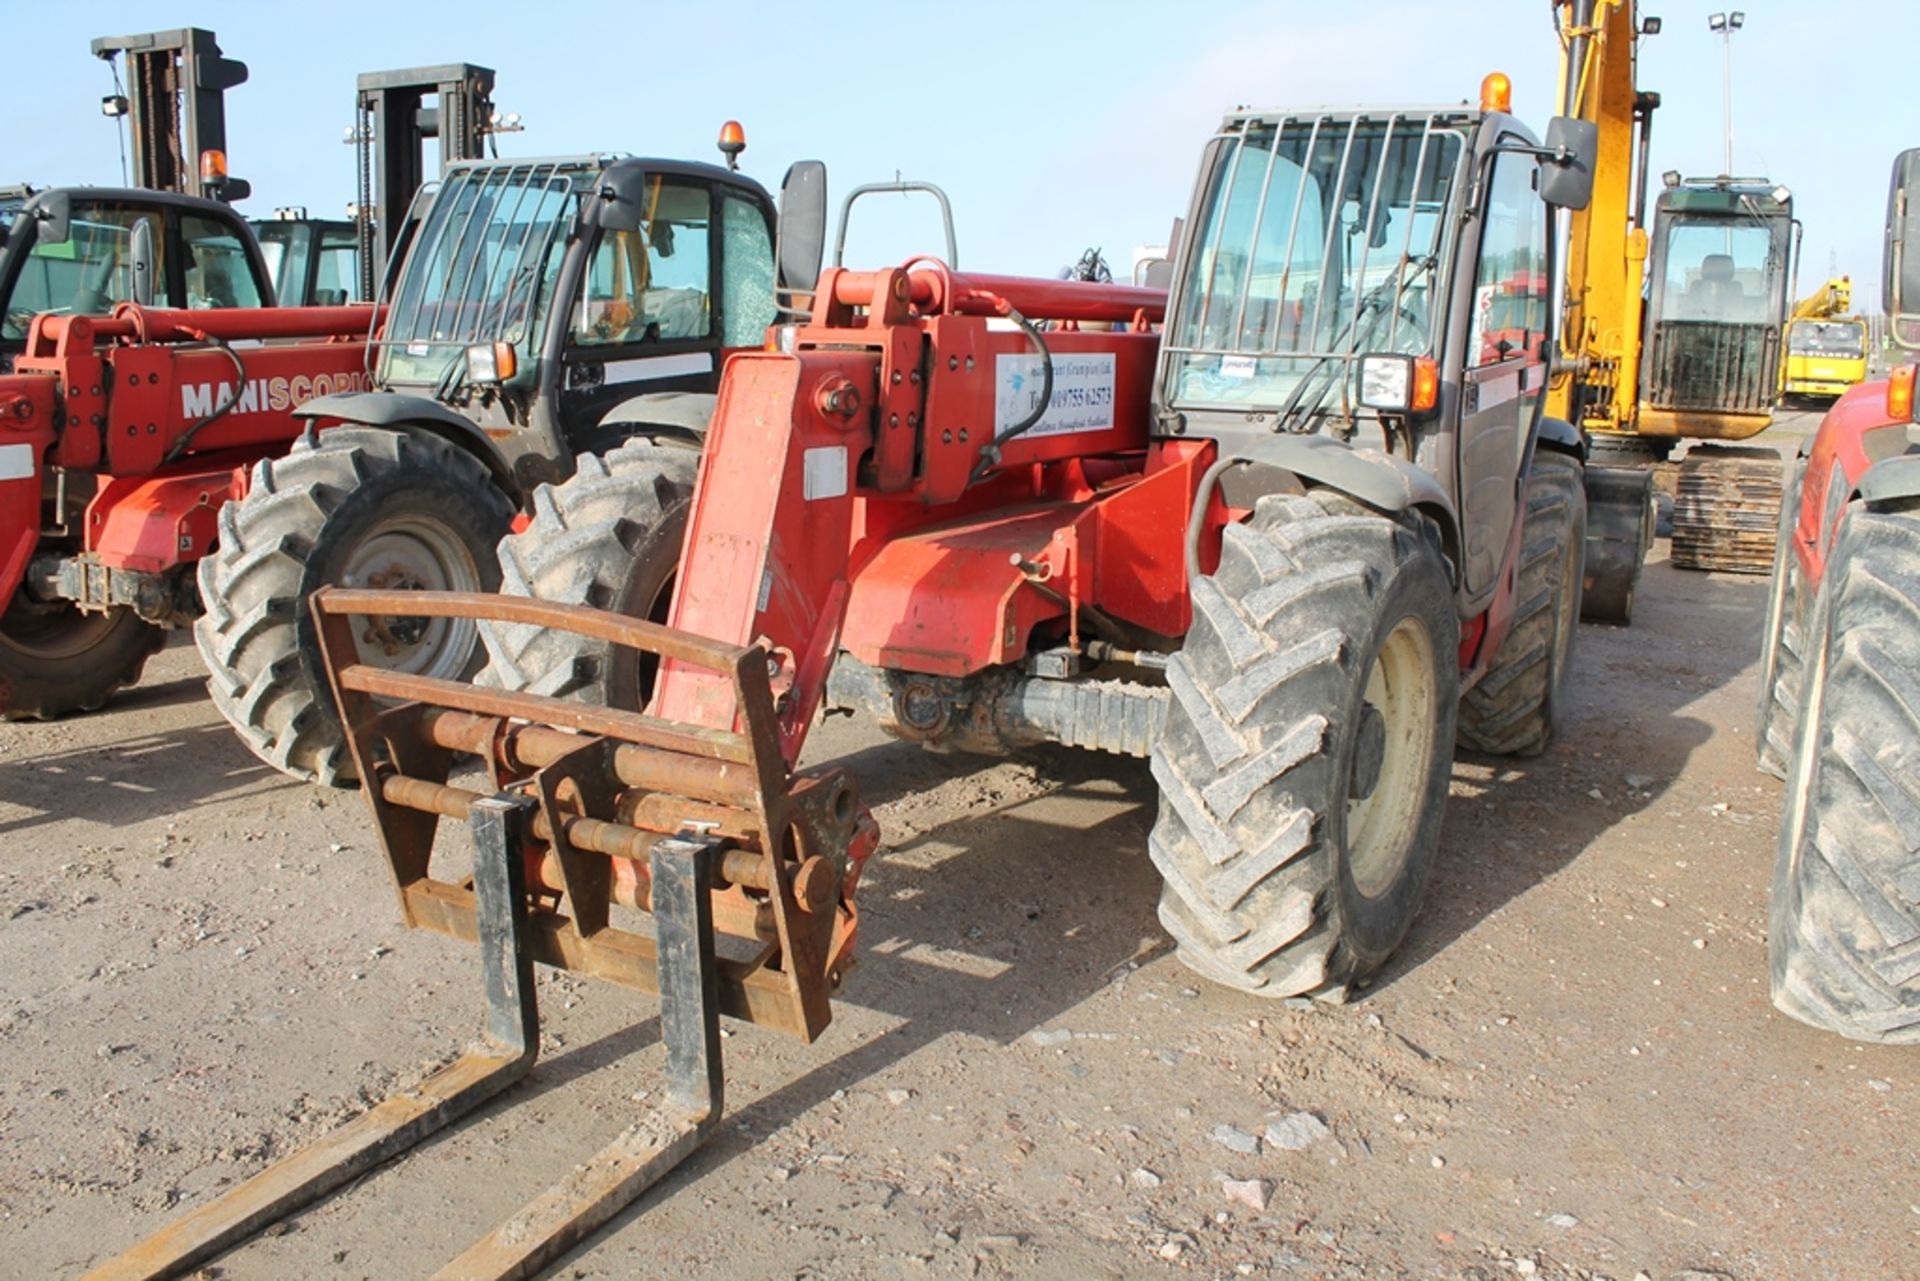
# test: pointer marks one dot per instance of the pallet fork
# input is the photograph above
(592, 809)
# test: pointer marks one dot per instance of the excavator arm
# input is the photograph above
(1595, 385)
(1607, 241)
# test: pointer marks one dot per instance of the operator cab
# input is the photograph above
(1377, 278)
(314, 262)
(81, 251)
(1717, 301)
(543, 294)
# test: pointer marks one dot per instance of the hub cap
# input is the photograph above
(411, 553)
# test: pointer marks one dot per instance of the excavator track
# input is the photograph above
(1726, 509)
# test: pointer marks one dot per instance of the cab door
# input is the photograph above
(658, 306)
(1504, 370)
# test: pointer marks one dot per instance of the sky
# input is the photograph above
(1054, 125)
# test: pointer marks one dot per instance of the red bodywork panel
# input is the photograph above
(843, 501)
(113, 395)
(28, 409)
(834, 492)
(1846, 443)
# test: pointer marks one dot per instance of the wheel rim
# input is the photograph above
(1382, 823)
(60, 632)
(411, 553)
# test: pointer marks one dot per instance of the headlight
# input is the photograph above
(1386, 382)
(1399, 384)
(491, 363)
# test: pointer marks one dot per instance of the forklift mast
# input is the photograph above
(176, 82)
(393, 122)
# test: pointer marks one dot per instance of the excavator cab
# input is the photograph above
(1717, 302)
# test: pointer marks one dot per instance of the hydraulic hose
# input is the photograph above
(1203, 499)
(990, 456)
(185, 438)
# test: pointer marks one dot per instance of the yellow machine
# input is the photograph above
(1826, 343)
(1672, 332)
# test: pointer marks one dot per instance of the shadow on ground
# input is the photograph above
(1514, 822)
(131, 779)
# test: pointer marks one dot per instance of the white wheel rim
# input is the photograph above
(413, 553)
(1382, 824)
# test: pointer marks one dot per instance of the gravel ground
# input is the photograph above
(1571, 1070)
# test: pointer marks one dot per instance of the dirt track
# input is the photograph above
(1571, 1070)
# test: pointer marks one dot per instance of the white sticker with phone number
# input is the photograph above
(1082, 397)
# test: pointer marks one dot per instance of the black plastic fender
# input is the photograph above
(686, 414)
(1563, 437)
(414, 413)
(1382, 481)
(1891, 480)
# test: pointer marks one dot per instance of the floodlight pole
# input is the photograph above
(1724, 25)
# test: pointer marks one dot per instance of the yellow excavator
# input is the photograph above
(1672, 332)
(1826, 344)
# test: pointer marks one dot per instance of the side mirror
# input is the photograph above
(621, 201)
(140, 266)
(801, 239)
(1900, 283)
(54, 214)
(1566, 172)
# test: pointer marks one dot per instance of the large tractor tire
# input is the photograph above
(1513, 708)
(1843, 931)
(608, 537)
(357, 507)
(1308, 748)
(1782, 643)
(56, 659)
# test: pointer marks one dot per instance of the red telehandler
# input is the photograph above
(146, 368)
(122, 431)
(1840, 691)
(1272, 546)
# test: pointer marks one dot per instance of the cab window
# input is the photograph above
(336, 272)
(1510, 288)
(650, 285)
(286, 246)
(89, 271)
(219, 273)
(746, 273)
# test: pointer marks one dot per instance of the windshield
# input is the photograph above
(482, 267)
(1828, 338)
(88, 272)
(1320, 238)
(1724, 271)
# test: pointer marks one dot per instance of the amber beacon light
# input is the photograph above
(1496, 92)
(733, 141)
